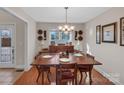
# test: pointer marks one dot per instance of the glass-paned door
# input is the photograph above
(6, 45)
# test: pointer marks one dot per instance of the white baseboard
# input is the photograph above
(27, 68)
(19, 66)
(108, 76)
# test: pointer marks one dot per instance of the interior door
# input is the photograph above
(7, 45)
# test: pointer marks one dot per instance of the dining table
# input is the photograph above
(53, 60)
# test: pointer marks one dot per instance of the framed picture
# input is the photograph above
(109, 33)
(122, 31)
(98, 34)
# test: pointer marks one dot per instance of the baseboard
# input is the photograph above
(19, 66)
(108, 76)
(27, 68)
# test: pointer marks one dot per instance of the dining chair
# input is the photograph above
(42, 70)
(67, 72)
(85, 69)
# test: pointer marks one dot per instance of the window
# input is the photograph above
(59, 37)
(5, 33)
(65, 36)
(54, 35)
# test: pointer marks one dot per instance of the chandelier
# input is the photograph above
(66, 27)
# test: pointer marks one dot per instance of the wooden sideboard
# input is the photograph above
(61, 48)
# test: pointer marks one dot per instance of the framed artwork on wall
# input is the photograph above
(109, 33)
(98, 34)
(122, 31)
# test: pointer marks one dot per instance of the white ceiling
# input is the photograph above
(57, 14)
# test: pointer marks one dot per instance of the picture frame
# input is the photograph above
(109, 33)
(122, 31)
(98, 34)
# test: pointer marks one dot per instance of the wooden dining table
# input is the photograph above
(53, 59)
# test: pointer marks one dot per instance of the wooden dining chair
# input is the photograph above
(42, 70)
(67, 72)
(85, 69)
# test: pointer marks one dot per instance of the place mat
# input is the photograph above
(47, 56)
(78, 54)
(64, 59)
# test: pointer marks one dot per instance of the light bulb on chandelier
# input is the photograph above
(66, 27)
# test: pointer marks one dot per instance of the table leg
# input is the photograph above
(90, 74)
(56, 75)
(76, 77)
(43, 78)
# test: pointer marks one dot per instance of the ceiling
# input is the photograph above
(57, 14)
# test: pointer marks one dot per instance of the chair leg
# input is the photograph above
(81, 77)
(39, 73)
(48, 76)
(38, 77)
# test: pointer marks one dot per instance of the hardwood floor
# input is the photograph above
(8, 76)
(29, 78)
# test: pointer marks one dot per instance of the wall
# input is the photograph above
(54, 26)
(30, 34)
(7, 18)
(111, 55)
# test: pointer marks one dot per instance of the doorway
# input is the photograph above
(7, 46)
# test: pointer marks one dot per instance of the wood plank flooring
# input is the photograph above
(29, 78)
(8, 76)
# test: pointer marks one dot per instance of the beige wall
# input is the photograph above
(50, 26)
(111, 55)
(30, 34)
(7, 18)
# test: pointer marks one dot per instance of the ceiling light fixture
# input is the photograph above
(66, 27)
